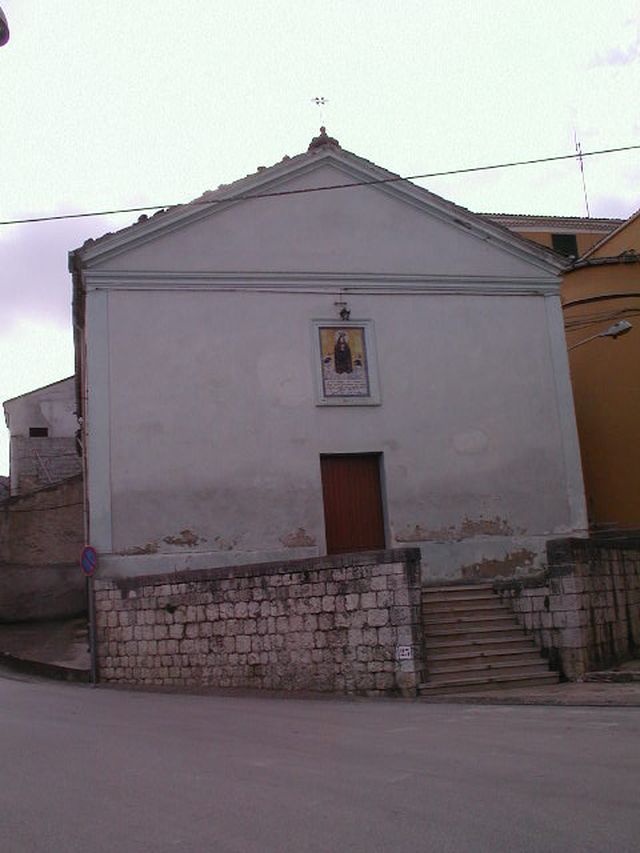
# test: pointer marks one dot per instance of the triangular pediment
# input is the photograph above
(325, 212)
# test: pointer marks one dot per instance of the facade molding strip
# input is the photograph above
(319, 283)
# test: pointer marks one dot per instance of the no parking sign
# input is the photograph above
(88, 560)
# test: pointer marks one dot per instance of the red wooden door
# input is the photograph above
(352, 503)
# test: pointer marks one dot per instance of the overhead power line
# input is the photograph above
(279, 193)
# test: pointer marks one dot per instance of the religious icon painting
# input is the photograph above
(345, 363)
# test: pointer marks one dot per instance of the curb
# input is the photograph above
(539, 703)
(44, 670)
(533, 700)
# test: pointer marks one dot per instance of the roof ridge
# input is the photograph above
(585, 219)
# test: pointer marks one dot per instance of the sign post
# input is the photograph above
(88, 564)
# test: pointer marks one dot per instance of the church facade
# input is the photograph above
(322, 358)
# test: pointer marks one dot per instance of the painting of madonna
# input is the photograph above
(344, 362)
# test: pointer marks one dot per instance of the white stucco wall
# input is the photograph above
(201, 407)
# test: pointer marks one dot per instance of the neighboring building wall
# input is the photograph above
(347, 624)
(584, 241)
(606, 380)
(585, 611)
(38, 460)
(45, 527)
(543, 229)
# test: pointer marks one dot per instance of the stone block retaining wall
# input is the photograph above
(346, 624)
(584, 611)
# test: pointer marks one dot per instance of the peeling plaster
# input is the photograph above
(417, 533)
(468, 528)
(149, 548)
(485, 527)
(186, 537)
(503, 567)
(298, 539)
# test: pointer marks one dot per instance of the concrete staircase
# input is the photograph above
(473, 642)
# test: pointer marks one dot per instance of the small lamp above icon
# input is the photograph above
(344, 312)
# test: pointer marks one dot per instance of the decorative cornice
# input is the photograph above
(561, 224)
(313, 282)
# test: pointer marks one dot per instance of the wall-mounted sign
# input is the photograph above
(88, 560)
(404, 653)
(345, 368)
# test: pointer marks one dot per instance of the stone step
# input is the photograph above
(489, 620)
(469, 633)
(519, 640)
(460, 591)
(438, 659)
(466, 670)
(464, 606)
(493, 682)
(442, 598)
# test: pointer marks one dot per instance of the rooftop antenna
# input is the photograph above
(320, 102)
(581, 161)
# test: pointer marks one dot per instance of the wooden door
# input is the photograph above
(352, 503)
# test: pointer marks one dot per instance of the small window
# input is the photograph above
(565, 244)
(38, 432)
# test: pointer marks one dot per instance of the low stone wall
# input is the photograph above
(44, 527)
(347, 624)
(584, 611)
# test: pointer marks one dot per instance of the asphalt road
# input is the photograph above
(103, 770)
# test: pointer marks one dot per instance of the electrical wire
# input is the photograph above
(305, 190)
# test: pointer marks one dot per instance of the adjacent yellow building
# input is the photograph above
(572, 236)
(601, 288)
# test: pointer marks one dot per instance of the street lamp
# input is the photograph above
(621, 327)
(4, 29)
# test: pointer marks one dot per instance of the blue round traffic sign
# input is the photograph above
(89, 560)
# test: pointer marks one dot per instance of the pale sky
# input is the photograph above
(118, 103)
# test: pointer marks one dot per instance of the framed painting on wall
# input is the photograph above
(345, 363)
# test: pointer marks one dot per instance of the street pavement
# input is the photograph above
(60, 650)
(96, 769)
(60, 643)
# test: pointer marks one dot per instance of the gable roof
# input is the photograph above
(611, 236)
(560, 224)
(265, 182)
(35, 391)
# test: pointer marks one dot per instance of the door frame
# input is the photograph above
(386, 527)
